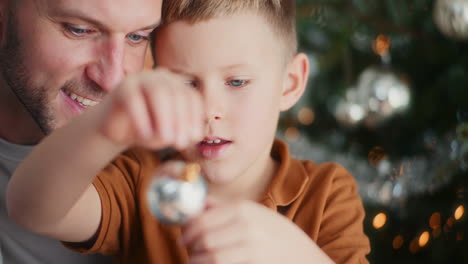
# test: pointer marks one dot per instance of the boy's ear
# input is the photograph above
(294, 85)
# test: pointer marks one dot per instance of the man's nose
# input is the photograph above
(107, 69)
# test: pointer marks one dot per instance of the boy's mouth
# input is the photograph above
(213, 141)
(213, 147)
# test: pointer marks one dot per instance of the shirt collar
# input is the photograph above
(291, 178)
(14, 152)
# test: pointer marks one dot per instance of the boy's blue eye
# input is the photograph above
(193, 84)
(237, 83)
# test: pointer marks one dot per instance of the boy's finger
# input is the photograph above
(218, 239)
(126, 114)
(136, 106)
(231, 255)
(219, 217)
(213, 202)
(116, 126)
(168, 74)
(160, 109)
(181, 113)
(196, 116)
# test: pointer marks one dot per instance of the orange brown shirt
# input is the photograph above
(321, 199)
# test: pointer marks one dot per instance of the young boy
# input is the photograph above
(226, 69)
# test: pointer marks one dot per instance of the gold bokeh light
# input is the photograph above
(306, 116)
(423, 239)
(292, 134)
(459, 212)
(379, 220)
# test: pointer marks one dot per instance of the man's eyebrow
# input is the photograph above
(83, 16)
(150, 27)
(75, 14)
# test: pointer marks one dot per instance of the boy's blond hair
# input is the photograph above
(280, 14)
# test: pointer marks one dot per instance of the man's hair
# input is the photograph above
(280, 14)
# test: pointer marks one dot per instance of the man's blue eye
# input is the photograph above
(77, 31)
(135, 38)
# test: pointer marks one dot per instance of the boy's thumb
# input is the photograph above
(212, 202)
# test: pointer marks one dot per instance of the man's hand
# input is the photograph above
(247, 232)
(153, 109)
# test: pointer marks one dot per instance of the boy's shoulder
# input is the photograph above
(141, 156)
(306, 178)
(306, 169)
(331, 212)
(329, 171)
(131, 165)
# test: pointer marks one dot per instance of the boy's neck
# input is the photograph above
(252, 185)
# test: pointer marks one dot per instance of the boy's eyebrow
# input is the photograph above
(187, 75)
(237, 65)
(83, 16)
(181, 73)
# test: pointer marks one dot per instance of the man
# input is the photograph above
(57, 59)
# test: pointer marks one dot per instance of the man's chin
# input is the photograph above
(47, 127)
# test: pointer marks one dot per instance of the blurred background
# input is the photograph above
(388, 99)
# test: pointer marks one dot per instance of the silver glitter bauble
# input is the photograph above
(177, 193)
(348, 111)
(379, 95)
(382, 93)
(451, 17)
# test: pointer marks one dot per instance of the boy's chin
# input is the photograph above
(217, 177)
(214, 172)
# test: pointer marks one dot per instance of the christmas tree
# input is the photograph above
(388, 99)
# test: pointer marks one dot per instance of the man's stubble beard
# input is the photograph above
(36, 99)
(15, 73)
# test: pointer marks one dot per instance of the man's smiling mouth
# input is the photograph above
(82, 101)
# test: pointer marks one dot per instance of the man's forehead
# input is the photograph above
(119, 14)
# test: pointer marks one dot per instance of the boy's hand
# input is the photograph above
(247, 232)
(153, 109)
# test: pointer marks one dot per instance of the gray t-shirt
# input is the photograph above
(18, 245)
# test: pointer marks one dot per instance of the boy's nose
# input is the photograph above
(108, 68)
(211, 117)
(214, 109)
